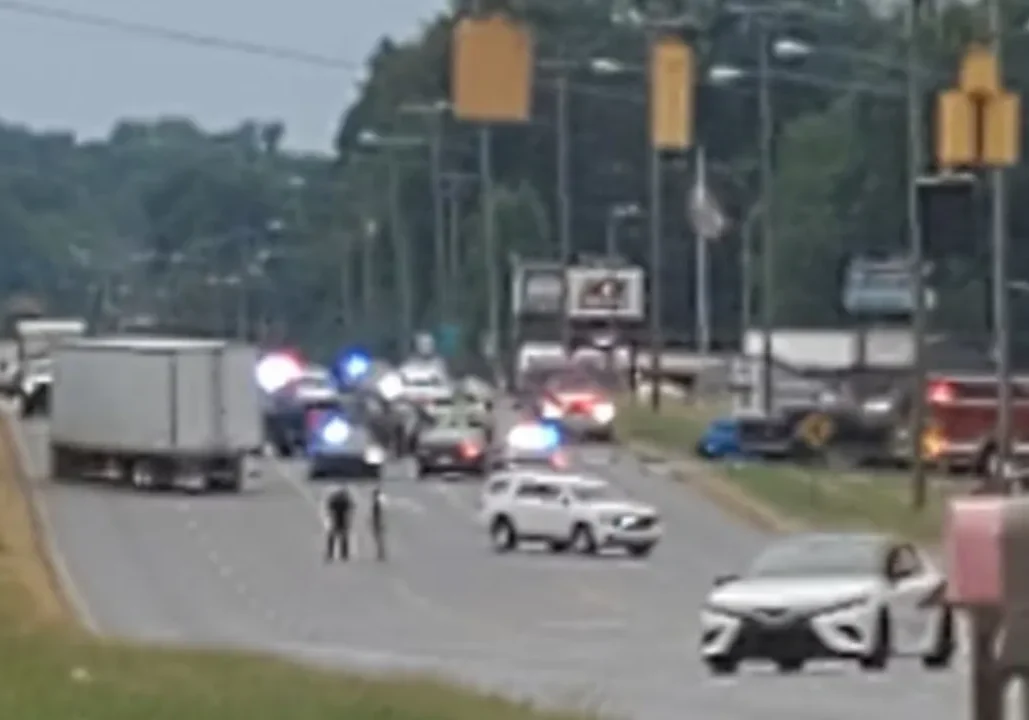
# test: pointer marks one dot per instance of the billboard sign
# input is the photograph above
(605, 293)
(538, 290)
(879, 288)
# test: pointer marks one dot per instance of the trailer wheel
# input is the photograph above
(143, 476)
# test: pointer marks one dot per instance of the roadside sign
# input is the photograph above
(605, 293)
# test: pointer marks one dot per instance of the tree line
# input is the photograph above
(229, 233)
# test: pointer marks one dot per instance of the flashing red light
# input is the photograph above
(941, 393)
(470, 450)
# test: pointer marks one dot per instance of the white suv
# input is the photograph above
(565, 511)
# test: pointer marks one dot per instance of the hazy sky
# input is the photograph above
(58, 75)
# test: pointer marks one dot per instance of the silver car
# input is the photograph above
(860, 596)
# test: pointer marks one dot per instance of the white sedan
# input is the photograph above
(860, 596)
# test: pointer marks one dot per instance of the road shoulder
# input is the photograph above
(25, 564)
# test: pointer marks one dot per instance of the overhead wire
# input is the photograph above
(182, 37)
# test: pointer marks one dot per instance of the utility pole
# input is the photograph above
(656, 233)
(443, 295)
(916, 166)
(490, 243)
(564, 201)
(767, 129)
(401, 255)
(369, 274)
(1001, 319)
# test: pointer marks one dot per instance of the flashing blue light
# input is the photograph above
(352, 367)
(335, 431)
(356, 366)
(539, 437)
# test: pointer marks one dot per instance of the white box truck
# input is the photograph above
(155, 412)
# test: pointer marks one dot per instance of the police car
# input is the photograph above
(340, 444)
(531, 444)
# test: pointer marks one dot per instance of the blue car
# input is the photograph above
(747, 437)
(721, 439)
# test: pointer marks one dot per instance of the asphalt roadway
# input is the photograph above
(614, 635)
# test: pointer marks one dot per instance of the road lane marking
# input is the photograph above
(58, 560)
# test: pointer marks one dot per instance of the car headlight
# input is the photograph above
(375, 455)
(604, 412)
(843, 605)
(716, 609)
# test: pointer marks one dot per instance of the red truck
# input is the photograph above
(961, 418)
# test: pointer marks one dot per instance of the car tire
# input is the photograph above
(582, 540)
(641, 550)
(722, 665)
(879, 658)
(790, 665)
(503, 535)
(940, 657)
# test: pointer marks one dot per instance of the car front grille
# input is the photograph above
(645, 522)
(790, 638)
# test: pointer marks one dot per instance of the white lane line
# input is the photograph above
(65, 579)
(450, 497)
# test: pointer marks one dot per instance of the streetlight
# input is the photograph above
(454, 183)
(404, 286)
(435, 112)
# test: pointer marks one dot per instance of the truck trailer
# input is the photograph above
(155, 412)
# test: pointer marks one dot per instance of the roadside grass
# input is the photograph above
(805, 496)
(52, 670)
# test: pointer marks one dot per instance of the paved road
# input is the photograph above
(613, 634)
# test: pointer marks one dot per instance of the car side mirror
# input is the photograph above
(725, 579)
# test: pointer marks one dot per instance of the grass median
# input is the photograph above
(799, 496)
(51, 670)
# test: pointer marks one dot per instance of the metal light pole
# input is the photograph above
(1001, 319)
(369, 294)
(656, 325)
(767, 130)
(915, 168)
(564, 201)
(401, 255)
(492, 268)
(441, 284)
(443, 296)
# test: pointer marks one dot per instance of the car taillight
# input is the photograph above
(559, 461)
(470, 450)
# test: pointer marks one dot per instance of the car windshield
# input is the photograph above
(724, 426)
(591, 493)
(820, 555)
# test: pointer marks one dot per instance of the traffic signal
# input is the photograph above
(673, 86)
(948, 210)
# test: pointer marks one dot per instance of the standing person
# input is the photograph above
(339, 508)
(378, 523)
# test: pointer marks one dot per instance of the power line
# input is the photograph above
(182, 37)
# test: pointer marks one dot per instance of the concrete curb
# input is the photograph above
(721, 492)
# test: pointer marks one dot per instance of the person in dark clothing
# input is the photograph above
(378, 523)
(339, 508)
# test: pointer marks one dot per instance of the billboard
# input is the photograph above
(605, 293)
(884, 288)
(538, 289)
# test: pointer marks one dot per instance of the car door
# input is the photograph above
(554, 503)
(529, 510)
(912, 590)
